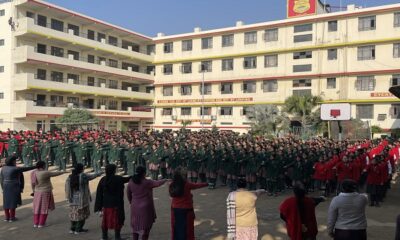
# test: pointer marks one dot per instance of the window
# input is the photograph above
(75, 55)
(56, 100)
(207, 89)
(395, 111)
(206, 43)
(247, 111)
(227, 40)
(2, 12)
(73, 77)
(167, 69)
(101, 82)
(187, 45)
(270, 86)
(206, 66)
(332, 26)
(168, 47)
(250, 37)
(56, 51)
(168, 91)
(302, 92)
(396, 50)
(101, 37)
(112, 40)
(57, 25)
(113, 84)
(226, 88)
(367, 23)
(186, 111)
(365, 111)
(397, 19)
(1, 69)
(250, 62)
(365, 83)
(303, 28)
(73, 100)
(166, 112)
(302, 83)
(90, 34)
(366, 53)
(41, 48)
(42, 20)
(227, 64)
(57, 76)
(113, 105)
(91, 81)
(271, 35)
(41, 74)
(186, 90)
(332, 54)
(1, 95)
(249, 87)
(302, 55)
(30, 14)
(101, 102)
(302, 38)
(205, 111)
(302, 68)
(331, 83)
(395, 81)
(186, 68)
(151, 49)
(1, 42)
(113, 63)
(74, 28)
(91, 59)
(226, 111)
(270, 61)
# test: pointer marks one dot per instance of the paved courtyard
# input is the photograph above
(210, 217)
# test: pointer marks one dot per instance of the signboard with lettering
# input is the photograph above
(381, 94)
(298, 8)
(207, 100)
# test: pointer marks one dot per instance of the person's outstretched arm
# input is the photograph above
(158, 183)
(196, 185)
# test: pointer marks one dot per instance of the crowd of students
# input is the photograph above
(272, 164)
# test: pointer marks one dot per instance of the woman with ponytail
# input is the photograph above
(299, 214)
(140, 196)
(110, 201)
(77, 192)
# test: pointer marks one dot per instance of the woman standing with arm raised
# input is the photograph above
(140, 196)
(182, 213)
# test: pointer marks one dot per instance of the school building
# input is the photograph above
(54, 58)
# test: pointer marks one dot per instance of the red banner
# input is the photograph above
(298, 8)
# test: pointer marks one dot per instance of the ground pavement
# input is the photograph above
(210, 217)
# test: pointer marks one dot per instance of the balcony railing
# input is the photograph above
(82, 82)
(104, 62)
(62, 104)
(85, 35)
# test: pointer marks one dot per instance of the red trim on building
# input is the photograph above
(325, 75)
(223, 127)
(276, 25)
(58, 115)
(90, 19)
(62, 65)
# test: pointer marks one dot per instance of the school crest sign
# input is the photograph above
(298, 8)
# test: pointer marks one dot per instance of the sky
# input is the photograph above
(150, 17)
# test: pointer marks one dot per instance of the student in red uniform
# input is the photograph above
(344, 170)
(182, 213)
(320, 173)
(373, 181)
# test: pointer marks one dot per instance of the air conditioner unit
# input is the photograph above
(103, 85)
(174, 118)
(103, 40)
(103, 107)
(213, 117)
(70, 81)
(70, 105)
(70, 56)
(71, 32)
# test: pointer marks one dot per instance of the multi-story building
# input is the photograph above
(55, 58)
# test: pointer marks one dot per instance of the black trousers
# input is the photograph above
(350, 234)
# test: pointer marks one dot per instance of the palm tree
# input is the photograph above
(302, 107)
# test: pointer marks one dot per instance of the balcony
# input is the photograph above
(25, 81)
(28, 27)
(30, 54)
(25, 108)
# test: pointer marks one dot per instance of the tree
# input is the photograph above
(74, 118)
(375, 129)
(267, 120)
(302, 107)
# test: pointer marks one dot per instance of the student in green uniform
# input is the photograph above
(12, 146)
(96, 157)
(45, 147)
(61, 155)
(27, 154)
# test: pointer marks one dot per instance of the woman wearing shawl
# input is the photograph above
(12, 183)
(299, 214)
(43, 199)
(110, 201)
(241, 213)
(77, 192)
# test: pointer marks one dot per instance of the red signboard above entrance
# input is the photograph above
(298, 8)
